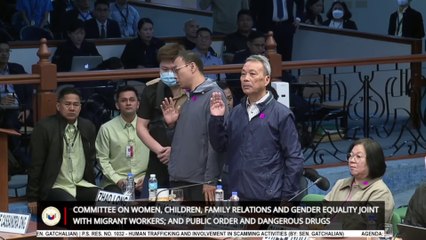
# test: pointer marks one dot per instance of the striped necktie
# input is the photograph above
(103, 32)
(70, 133)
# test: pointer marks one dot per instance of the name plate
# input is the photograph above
(14, 223)
(112, 198)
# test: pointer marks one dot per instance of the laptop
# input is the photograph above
(410, 232)
(85, 63)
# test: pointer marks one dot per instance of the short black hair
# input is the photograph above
(374, 156)
(309, 4)
(104, 2)
(74, 25)
(204, 29)
(142, 21)
(223, 85)
(255, 34)
(346, 15)
(244, 12)
(68, 90)
(189, 56)
(125, 88)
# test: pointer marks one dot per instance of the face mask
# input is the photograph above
(402, 2)
(168, 78)
(337, 14)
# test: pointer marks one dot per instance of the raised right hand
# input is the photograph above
(217, 106)
(170, 113)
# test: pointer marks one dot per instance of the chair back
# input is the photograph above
(313, 198)
(396, 219)
(33, 33)
(401, 211)
(5, 36)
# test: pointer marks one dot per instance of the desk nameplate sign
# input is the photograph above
(14, 223)
(112, 198)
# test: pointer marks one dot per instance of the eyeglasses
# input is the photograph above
(177, 69)
(357, 157)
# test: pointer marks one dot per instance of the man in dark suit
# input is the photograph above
(63, 155)
(101, 26)
(278, 16)
(15, 99)
(406, 22)
(416, 211)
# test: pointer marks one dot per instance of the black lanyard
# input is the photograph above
(398, 25)
(71, 144)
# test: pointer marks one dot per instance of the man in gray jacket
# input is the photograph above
(192, 158)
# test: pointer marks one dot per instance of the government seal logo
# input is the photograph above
(51, 216)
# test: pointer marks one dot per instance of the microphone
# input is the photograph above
(313, 175)
(182, 187)
(303, 190)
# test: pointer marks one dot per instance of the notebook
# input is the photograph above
(409, 232)
(85, 63)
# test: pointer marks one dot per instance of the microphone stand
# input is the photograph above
(303, 190)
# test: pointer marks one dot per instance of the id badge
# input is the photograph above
(129, 151)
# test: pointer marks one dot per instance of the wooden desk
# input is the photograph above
(4, 189)
(31, 233)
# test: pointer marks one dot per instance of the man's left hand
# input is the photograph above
(139, 184)
(164, 155)
(209, 192)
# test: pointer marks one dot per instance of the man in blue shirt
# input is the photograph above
(202, 47)
(34, 12)
(264, 160)
(127, 17)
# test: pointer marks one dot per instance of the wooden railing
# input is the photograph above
(45, 76)
(101, 42)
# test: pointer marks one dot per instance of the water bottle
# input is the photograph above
(152, 186)
(219, 194)
(130, 187)
(234, 199)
